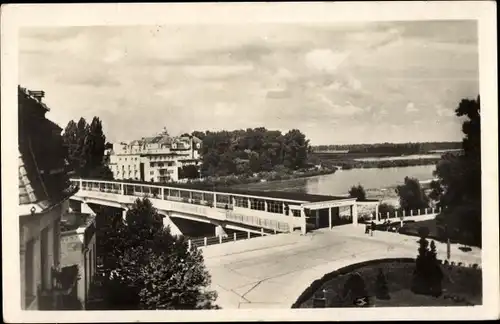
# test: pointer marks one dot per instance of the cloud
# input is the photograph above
(410, 108)
(292, 78)
(341, 110)
(278, 94)
(217, 71)
(113, 55)
(325, 60)
(444, 112)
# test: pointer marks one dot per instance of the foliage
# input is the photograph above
(411, 195)
(188, 172)
(458, 189)
(85, 145)
(381, 289)
(346, 161)
(354, 287)
(390, 148)
(251, 150)
(427, 276)
(148, 267)
(357, 192)
(385, 208)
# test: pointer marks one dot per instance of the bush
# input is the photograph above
(381, 289)
(354, 287)
(427, 276)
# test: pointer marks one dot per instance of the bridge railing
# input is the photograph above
(413, 213)
(270, 224)
(212, 240)
(155, 193)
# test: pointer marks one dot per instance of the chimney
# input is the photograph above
(38, 94)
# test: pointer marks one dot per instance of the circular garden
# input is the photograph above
(396, 282)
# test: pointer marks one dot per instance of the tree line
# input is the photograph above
(251, 150)
(390, 148)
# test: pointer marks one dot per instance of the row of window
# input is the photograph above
(161, 164)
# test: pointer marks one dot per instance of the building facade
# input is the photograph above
(78, 249)
(44, 190)
(154, 159)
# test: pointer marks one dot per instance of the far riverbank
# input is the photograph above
(327, 167)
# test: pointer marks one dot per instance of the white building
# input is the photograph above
(155, 159)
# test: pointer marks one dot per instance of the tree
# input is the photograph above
(85, 145)
(458, 189)
(189, 172)
(411, 195)
(427, 276)
(354, 288)
(296, 148)
(420, 274)
(357, 192)
(435, 273)
(381, 289)
(153, 268)
(385, 208)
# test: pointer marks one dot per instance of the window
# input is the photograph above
(257, 204)
(29, 255)
(296, 213)
(275, 207)
(241, 202)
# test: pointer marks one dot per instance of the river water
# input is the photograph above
(379, 183)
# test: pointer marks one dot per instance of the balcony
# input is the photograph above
(63, 293)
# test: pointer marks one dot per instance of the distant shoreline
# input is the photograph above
(329, 167)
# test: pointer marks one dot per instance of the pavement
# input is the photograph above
(272, 271)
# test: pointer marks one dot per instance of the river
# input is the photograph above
(378, 183)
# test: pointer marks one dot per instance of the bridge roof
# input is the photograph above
(285, 195)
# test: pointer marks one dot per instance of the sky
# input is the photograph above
(338, 83)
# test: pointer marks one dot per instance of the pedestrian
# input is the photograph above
(373, 228)
(367, 228)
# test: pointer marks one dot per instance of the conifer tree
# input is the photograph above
(381, 289)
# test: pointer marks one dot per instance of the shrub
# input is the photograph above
(354, 288)
(381, 290)
(427, 277)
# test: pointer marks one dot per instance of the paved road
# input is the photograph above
(272, 271)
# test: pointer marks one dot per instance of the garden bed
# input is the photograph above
(462, 286)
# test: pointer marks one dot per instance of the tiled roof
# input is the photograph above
(31, 191)
(43, 181)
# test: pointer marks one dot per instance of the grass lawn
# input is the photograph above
(461, 287)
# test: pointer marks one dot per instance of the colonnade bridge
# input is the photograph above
(248, 211)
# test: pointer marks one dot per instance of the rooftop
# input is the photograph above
(42, 171)
(286, 195)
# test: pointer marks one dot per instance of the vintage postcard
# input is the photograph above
(250, 161)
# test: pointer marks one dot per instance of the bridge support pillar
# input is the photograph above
(167, 222)
(330, 217)
(219, 231)
(124, 214)
(303, 228)
(85, 209)
(377, 218)
(354, 214)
